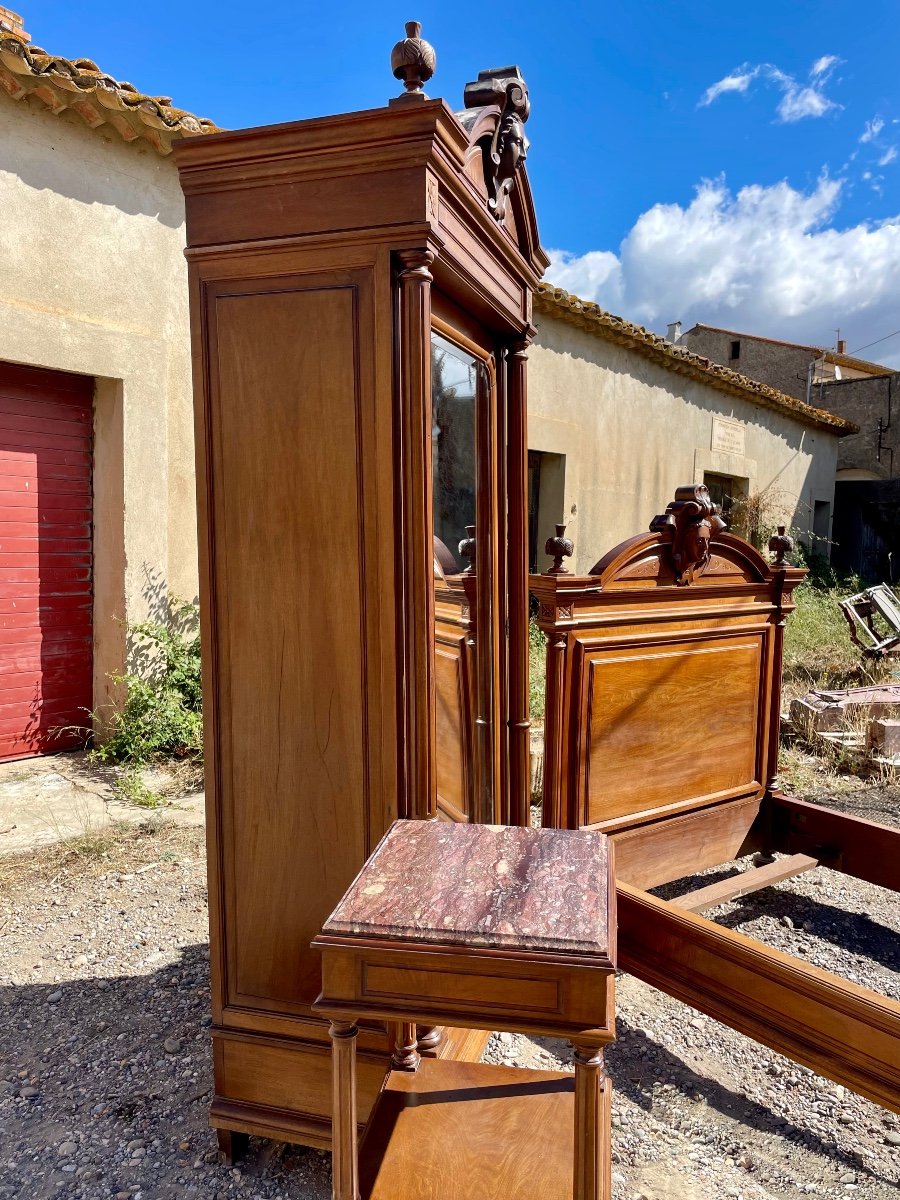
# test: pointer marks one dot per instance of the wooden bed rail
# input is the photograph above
(863, 849)
(828, 1024)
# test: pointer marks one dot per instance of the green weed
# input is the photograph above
(162, 715)
(537, 670)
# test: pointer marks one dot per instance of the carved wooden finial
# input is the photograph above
(467, 549)
(559, 547)
(780, 544)
(691, 520)
(413, 60)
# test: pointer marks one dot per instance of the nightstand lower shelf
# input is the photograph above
(470, 1131)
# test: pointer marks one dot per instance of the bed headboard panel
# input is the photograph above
(663, 673)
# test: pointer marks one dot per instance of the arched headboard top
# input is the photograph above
(686, 545)
(647, 560)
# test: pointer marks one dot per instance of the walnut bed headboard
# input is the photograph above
(663, 673)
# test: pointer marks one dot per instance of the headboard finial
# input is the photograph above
(467, 549)
(780, 544)
(559, 547)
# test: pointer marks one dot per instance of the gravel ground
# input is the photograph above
(105, 1071)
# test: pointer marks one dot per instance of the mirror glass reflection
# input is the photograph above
(454, 382)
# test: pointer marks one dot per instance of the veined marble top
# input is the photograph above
(496, 886)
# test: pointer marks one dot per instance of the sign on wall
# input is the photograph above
(728, 436)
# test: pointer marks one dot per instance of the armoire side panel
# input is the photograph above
(285, 440)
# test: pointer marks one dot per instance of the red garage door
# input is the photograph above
(46, 635)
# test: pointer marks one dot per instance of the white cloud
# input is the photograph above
(597, 273)
(826, 63)
(738, 81)
(767, 260)
(798, 100)
(872, 130)
(888, 156)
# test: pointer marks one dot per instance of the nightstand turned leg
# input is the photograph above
(404, 1055)
(344, 1161)
(593, 1163)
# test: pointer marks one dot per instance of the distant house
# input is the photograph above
(618, 417)
(789, 367)
(96, 437)
(866, 519)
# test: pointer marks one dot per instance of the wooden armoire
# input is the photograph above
(361, 309)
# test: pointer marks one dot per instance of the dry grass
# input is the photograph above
(119, 847)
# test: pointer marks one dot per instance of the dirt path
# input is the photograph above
(105, 1069)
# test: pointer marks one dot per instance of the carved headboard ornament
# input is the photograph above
(507, 150)
(691, 520)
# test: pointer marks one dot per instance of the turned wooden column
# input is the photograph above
(344, 1160)
(593, 1162)
(517, 487)
(554, 790)
(776, 657)
(419, 795)
(490, 728)
(404, 1054)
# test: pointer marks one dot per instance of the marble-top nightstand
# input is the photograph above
(478, 927)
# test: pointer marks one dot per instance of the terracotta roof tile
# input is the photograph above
(99, 99)
(591, 317)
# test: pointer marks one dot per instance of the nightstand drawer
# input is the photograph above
(450, 986)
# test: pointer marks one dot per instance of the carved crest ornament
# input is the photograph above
(691, 520)
(507, 149)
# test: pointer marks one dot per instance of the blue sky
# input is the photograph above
(730, 163)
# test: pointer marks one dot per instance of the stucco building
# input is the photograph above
(866, 518)
(95, 391)
(619, 417)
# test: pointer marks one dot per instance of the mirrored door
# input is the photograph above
(465, 488)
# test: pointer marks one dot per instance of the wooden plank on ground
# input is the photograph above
(744, 883)
(834, 1027)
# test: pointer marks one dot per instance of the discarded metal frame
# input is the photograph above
(860, 612)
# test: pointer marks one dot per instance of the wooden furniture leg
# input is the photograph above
(593, 1161)
(232, 1145)
(344, 1161)
(404, 1055)
(430, 1036)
